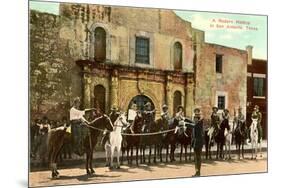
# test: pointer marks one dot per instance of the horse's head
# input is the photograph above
(122, 120)
(107, 122)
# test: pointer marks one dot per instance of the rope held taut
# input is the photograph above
(137, 134)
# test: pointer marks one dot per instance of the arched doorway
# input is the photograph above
(177, 56)
(99, 97)
(100, 44)
(140, 101)
(177, 100)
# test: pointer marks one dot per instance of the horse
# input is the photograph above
(151, 140)
(220, 138)
(115, 141)
(240, 134)
(184, 138)
(209, 136)
(166, 137)
(254, 138)
(228, 141)
(56, 140)
(132, 141)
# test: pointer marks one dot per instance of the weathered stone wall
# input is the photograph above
(232, 82)
(123, 24)
(54, 77)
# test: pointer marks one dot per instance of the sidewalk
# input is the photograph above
(99, 156)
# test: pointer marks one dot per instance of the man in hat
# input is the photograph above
(215, 122)
(257, 115)
(165, 113)
(180, 113)
(113, 115)
(240, 116)
(148, 115)
(77, 121)
(197, 139)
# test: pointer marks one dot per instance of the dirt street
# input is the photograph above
(76, 175)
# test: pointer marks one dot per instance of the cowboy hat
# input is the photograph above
(180, 106)
(197, 111)
(215, 108)
(164, 106)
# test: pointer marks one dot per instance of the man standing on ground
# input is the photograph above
(197, 139)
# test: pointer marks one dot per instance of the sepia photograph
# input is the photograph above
(123, 93)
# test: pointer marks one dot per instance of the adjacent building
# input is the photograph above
(257, 90)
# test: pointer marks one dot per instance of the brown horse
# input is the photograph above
(56, 140)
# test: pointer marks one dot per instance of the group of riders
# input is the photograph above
(137, 117)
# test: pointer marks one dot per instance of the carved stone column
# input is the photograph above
(86, 88)
(189, 96)
(169, 94)
(114, 88)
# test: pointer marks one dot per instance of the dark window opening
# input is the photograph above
(218, 63)
(259, 87)
(100, 44)
(221, 102)
(99, 97)
(177, 100)
(177, 56)
(142, 50)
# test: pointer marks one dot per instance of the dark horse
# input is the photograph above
(220, 138)
(240, 134)
(184, 138)
(151, 140)
(132, 141)
(209, 138)
(56, 140)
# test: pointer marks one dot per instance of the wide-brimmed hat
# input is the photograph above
(256, 107)
(164, 106)
(147, 104)
(215, 108)
(114, 108)
(226, 110)
(180, 106)
(197, 111)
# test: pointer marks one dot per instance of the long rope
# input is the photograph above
(137, 134)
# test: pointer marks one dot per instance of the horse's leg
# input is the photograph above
(190, 151)
(87, 162)
(181, 152)
(118, 155)
(91, 161)
(160, 152)
(155, 153)
(185, 152)
(137, 155)
(128, 150)
(149, 154)
(111, 157)
(132, 153)
(167, 152)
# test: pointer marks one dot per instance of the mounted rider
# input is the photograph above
(215, 121)
(78, 125)
(225, 121)
(137, 123)
(179, 118)
(165, 113)
(148, 115)
(256, 115)
(113, 115)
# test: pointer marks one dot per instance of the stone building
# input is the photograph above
(116, 56)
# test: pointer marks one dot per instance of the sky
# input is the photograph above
(233, 30)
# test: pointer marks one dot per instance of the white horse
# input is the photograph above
(115, 140)
(254, 137)
(228, 140)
